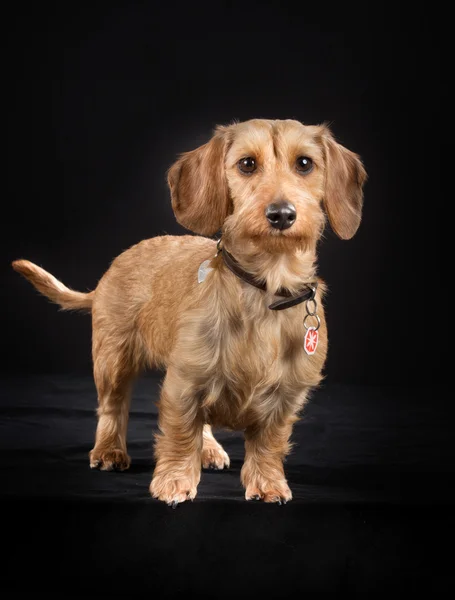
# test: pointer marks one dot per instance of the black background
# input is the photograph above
(102, 99)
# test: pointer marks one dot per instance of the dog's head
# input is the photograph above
(270, 183)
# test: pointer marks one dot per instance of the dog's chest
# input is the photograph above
(257, 349)
(261, 354)
(262, 367)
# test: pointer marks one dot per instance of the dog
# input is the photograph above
(237, 324)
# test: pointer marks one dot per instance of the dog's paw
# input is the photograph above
(109, 460)
(173, 491)
(273, 491)
(215, 458)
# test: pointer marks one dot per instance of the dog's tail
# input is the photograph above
(51, 287)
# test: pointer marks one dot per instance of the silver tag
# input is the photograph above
(204, 270)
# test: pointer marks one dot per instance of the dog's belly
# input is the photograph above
(256, 399)
(238, 409)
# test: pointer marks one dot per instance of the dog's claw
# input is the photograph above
(174, 504)
(279, 500)
(214, 467)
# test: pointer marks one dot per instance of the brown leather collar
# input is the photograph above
(306, 293)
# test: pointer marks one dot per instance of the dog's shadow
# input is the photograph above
(140, 467)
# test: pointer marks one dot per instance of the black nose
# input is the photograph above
(281, 215)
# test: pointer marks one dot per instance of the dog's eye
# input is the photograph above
(247, 165)
(304, 164)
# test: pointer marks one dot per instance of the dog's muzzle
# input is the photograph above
(281, 215)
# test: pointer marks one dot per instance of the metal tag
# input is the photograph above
(203, 271)
(311, 340)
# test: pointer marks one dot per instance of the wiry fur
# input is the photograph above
(230, 361)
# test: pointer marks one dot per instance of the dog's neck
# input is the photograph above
(277, 270)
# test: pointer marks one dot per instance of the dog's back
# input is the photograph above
(138, 301)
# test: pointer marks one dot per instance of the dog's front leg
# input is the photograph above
(262, 474)
(178, 446)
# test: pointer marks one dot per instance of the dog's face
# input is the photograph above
(275, 174)
(270, 183)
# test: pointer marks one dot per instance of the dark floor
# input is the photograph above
(371, 473)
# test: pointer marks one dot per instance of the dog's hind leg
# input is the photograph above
(110, 452)
(213, 454)
(114, 373)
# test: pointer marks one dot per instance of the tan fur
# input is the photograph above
(51, 287)
(230, 361)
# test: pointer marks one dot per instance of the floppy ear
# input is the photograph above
(343, 193)
(199, 190)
